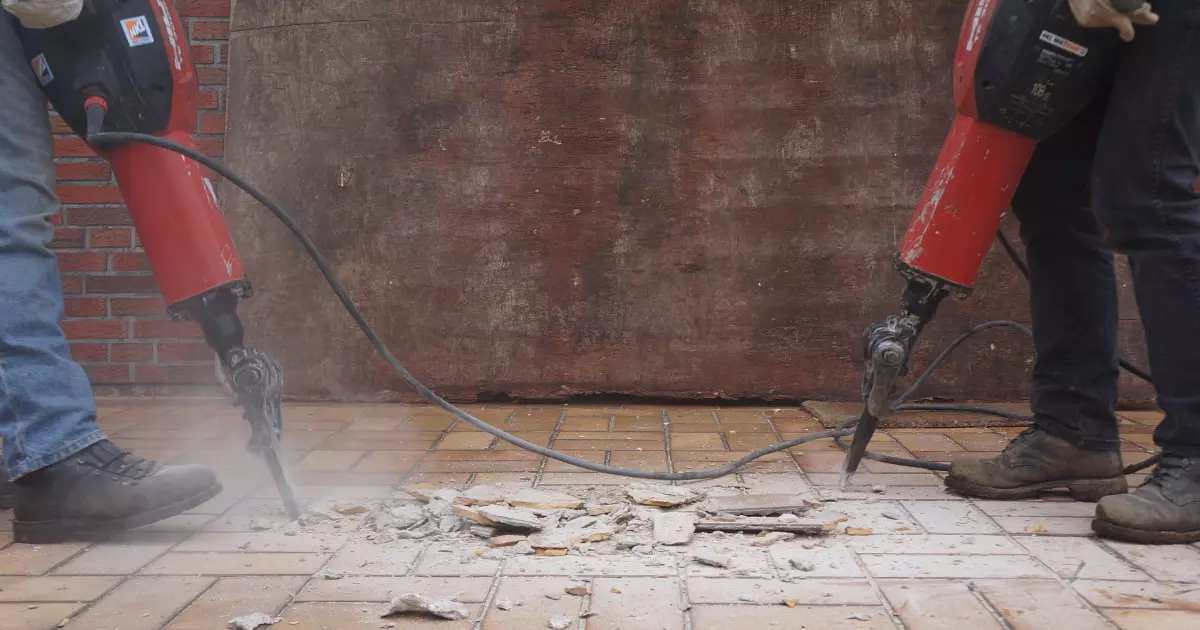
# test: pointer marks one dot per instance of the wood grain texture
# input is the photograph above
(555, 197)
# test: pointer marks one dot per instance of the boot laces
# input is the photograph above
(1169, 471)
(113, 459)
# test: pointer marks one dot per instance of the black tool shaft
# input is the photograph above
(867, 424)
(287, 491)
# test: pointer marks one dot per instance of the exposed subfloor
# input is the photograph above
(921, 558)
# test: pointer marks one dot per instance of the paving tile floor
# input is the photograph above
(933, 560)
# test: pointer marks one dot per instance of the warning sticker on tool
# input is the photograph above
(1058, 41)
(41, 68)
(137, 31)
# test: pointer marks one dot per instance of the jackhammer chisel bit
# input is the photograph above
(257, 382)
(886, 350)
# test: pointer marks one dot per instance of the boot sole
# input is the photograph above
(1143, 536)
(1088, 490)
(61, 530)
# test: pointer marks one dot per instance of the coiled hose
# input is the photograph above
(109, 139)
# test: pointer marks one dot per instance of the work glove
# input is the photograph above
(1102, 14)
(43, 13)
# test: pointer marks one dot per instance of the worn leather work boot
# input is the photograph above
(103, 490)
(1037, 461)
(1163, 511)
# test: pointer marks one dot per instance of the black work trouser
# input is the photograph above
(1121, 177)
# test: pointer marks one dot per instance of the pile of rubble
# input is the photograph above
(642, 520)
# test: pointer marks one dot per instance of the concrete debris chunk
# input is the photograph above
(643, 550)
(482, 531)
(771, 538)
(513, 517)
(260, 524)
(559, 622)
(472, 514)
(819, 524)
(523, 548)
(788, 518)
(506, 540)
(659, 496)
(891, 514)
(710, 557)
(860, 617)
(802, 565)
(621, 514)
(596, 533)
(756, 504)
(535, 498)
(252, 621)
(481, 495)
(555, 539)
(312, 517)
(674, 528)
(449, 523)
(596, 509)
(879, 489)
(578, 589)
(331, 575)
(418, 603)
(581, 522)
(413, 534)
(505, 603)
(350, 508)
(553, 596)
(405, 515)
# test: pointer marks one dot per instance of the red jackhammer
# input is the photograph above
(125, 66)
(1024, 68)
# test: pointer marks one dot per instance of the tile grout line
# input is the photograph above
(541, 472)
(791, 455)
(664, 420)
(685, 602)
(875, 588)
(493, 590)
(987, 605)
(432, 447)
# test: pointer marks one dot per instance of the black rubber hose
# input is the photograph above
(844, 429)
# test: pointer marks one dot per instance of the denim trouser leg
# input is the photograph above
(46, 408)
(1145, 182)
(1072, 288)
(1123, 175)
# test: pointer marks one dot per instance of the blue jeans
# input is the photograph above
(46, 407)
(1124, 177)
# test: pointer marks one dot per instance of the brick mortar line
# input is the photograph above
(541, 472)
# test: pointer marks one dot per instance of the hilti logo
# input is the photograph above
(137, 31)
(41, 68)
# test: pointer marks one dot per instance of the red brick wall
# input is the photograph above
(115, 318)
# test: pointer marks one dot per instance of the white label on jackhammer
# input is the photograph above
(1058, 41)
(137, 31)
(977, 24)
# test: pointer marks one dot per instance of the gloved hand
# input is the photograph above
(1101, 14)
(43, 13)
